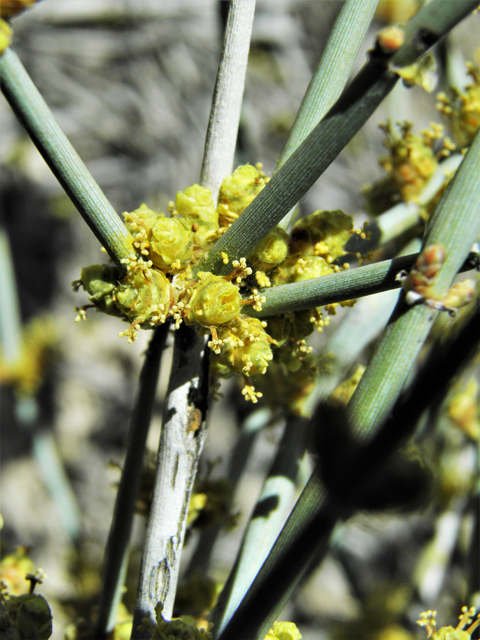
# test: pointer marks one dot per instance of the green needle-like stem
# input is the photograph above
(57, 151)
(455, 225)
(359, 100)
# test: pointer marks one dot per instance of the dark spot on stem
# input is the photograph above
(265, 507)
(425, 38)
(170, 413)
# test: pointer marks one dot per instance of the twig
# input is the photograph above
(455, 224)
(329, 137)
(337, 287)
(227, 99)
(116, 553)
(271, 509)
(33, 112)
(331, 75)
(186, 403)
(181, 441)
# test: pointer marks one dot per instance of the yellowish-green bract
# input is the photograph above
(160, 285)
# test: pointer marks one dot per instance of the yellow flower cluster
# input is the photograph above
(410, 163)
(23, 615)
(160, 284)
(283, 631)
(427, 620)
(26, 374)
(463, 108)
(9, 9)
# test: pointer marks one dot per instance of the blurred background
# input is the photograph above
(130, 82)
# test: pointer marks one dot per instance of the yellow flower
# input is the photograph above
(283, 631)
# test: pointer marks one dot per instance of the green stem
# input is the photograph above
(33, 112)
(333, 70)
(303, 167)
(337, 287)
(272, 506)
(455, 224)
(359, 328)
(429, 25)
(329, 137)
(331, 75)
(306, 531)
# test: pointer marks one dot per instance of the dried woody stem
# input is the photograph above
(181, 441)
(184, 430)
(116, 553)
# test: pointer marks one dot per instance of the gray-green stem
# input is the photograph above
(330, 136)
(187, 396)
(78, 183)
(331, 75)
(455, 225)
(227, 100)
(271, 509)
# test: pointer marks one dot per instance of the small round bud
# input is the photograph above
(214, 302)
(195, 204)
(143, 296)
(100, 282)
(247, 346)
(390, 39)
(298, 269)
(141, 218)
(171, 240)
(239, 189)
(271, 251)
(322, 233)
(425, 269)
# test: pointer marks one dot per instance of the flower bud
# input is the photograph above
(322, 233)
(246, 346)
(296, 268)
(143, 218)
(214, 302)
(170, 241)
(100, 282)
(195, 204)
(271, 251)
(139, 223)
(239, 189)
(144, 296)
